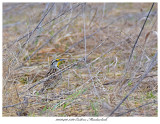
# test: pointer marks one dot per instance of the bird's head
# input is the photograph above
(56, 63)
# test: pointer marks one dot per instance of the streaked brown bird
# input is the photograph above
(51, 83)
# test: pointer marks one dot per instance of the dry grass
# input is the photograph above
(102, 34)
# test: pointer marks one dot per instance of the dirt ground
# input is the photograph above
(99, 72)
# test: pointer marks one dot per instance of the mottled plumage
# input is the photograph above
(51, 83)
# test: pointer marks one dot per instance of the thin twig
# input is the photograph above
(62, 70)
(89, 36)
(151, 65)
(115, 81)
(30, 34)
(129, 60)
(138, 37)
(44, 44)
(84, 30)
(25, 35)
(134, 109)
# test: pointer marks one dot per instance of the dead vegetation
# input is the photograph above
(96, 39)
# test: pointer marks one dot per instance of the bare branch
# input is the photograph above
(151, 65)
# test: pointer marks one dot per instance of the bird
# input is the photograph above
(53, 81)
